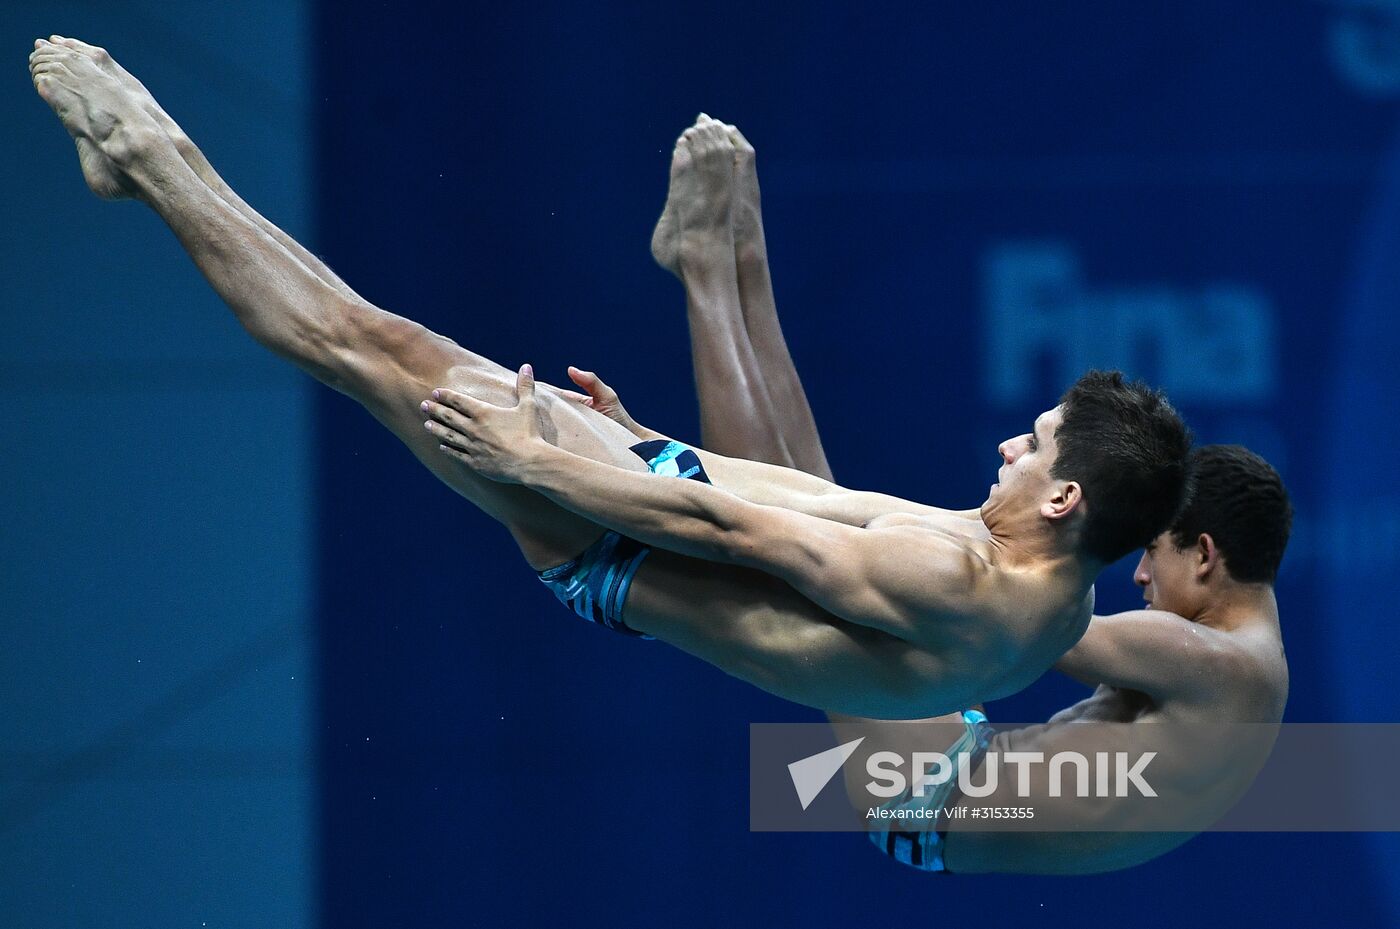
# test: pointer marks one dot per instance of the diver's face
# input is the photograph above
(1026, 460)
(1168, 577)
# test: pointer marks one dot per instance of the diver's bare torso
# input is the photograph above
(1018, 622)
(1204, 763)
(1027, 619)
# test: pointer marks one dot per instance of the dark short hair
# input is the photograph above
(1239, 501)
(1125, 445)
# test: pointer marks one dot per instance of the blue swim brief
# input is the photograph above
(594, 584)
(923, 848)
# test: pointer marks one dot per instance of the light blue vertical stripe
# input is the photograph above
(155, 568)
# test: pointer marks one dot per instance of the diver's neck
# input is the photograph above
(1041, 549)
(1233, 606)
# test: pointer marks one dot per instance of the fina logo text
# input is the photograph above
(1214, 344)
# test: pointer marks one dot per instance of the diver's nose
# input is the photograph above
(1141, 575)
(1004, 450)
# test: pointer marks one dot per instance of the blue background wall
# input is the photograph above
(1198, 192)
(1205, 194)
(157, 690)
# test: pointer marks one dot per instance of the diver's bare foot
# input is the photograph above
(698, 204)
(748, 217)
(705, 209)
(665, 238)
(135, 88)
(105, 118)
(101, 175)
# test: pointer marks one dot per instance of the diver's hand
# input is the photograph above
(600, 397)
(498, 442)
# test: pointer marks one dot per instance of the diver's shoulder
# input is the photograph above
(1265, 666)
(1246, 673)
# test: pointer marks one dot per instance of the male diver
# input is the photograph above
(845, 600)
(1199, 676)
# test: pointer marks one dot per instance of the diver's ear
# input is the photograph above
(1068, 498)
(1206, 556)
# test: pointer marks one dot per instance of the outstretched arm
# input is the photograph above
(758, 481)
(787, 486)
(888, 579)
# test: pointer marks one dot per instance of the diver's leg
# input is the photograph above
(106, 178)
(746, 623)
(752, 404)
(762, 413)
(694, 239)
(792, 421)
(386, 362)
